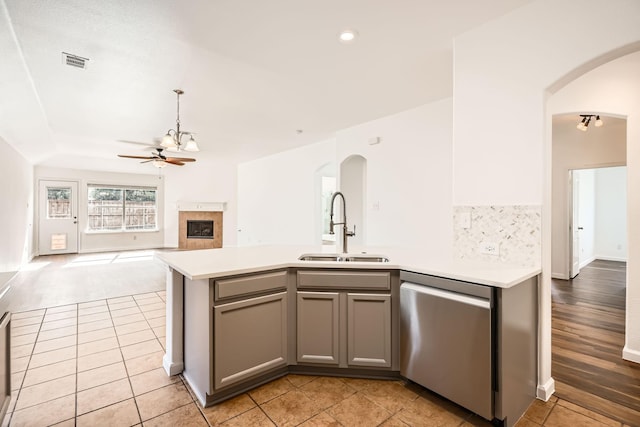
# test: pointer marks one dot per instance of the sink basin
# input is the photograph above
(366, 258)
(320, 257)
(344, 257)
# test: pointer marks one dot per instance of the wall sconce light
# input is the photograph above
(586, 120)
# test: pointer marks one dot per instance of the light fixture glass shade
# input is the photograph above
(159, 163)
(347, 36)
(191, 145)
(599, 121)
(168, 141)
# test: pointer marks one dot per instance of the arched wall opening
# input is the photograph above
(606, 85)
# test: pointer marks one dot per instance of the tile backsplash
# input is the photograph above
(498, 234)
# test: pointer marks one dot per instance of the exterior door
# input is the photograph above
(58, 217)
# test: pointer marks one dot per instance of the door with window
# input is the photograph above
(58, 217)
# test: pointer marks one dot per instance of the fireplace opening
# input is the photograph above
(199, 229)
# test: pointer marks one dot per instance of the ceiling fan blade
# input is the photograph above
(182, 159)
(173, 161)
(147, 161)
(137, 157)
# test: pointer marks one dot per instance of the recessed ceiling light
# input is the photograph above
(348, 36)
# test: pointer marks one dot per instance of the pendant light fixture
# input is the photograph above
(174, 140)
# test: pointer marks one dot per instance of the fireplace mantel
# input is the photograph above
(201, 206)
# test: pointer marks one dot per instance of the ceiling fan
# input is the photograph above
(172, 141)
(160, 160)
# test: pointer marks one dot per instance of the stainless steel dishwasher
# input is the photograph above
(445, 340)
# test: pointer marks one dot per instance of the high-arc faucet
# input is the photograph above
(345, 232)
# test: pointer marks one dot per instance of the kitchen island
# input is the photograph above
(240, 317)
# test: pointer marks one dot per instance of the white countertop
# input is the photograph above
(211, 263)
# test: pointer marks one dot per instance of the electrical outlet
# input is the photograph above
(490, 248)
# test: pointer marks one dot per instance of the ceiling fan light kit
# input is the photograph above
(173, 139)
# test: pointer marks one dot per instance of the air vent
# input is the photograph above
(74, 60)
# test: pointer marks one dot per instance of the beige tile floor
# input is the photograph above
(99, 363)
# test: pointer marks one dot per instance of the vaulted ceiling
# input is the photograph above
(254, 72)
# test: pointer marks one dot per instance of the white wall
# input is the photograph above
(502, 73)
(278, 196)
(353, 185)
(408, 189)
(573, 149)
(210, 180)
(611, 214)
(408, 184)
(97, 242)
(16, 213)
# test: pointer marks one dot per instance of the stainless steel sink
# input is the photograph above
(366, 258)
(320, 257)
(344, 257)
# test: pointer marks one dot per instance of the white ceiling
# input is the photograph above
(253, 72)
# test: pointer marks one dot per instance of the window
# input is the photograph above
(121, 208)
(58, 203)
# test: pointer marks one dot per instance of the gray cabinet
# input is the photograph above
(341, 325)
(368, 330)
(250, 338)
(250, 327)
(318, 327)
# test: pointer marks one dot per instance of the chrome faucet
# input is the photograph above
(345, 232)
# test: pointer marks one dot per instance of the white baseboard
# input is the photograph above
(588, 261)
(631, 355)
(611, 258)
(170, 367)
(545, 390)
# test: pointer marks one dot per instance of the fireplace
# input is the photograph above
(199, 229)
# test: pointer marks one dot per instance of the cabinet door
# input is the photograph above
(369, 330)
(250, 337)
(318, 327)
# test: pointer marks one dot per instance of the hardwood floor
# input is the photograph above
(588, 315)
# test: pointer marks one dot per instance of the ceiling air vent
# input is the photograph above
(74, 60)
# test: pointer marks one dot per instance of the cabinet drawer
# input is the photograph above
(248, 285)
(332, 279)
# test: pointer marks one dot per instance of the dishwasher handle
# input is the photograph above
(453, 296)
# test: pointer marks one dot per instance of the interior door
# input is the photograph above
(574, 228)
(58, 217)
